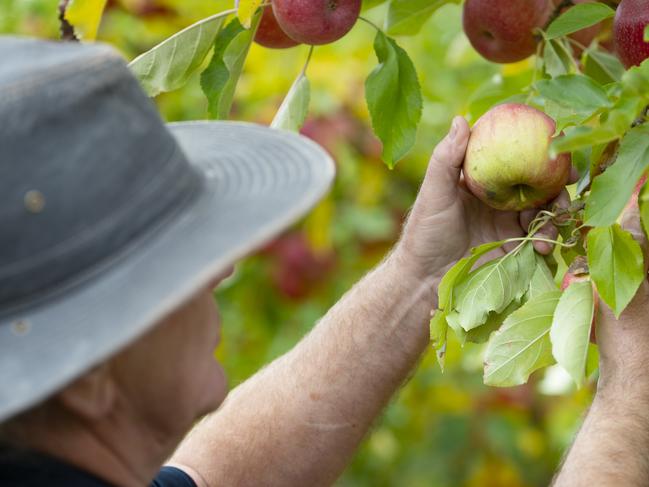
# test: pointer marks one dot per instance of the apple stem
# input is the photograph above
(306, 63)
(521, 193)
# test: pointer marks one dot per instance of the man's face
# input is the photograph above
(170, 375)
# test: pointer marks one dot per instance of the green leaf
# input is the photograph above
(643, 202)
(438, 323)
(617, 123)
(612, 190)
(557, 59)
(646, 33)
(293, 110)
(575, 92)
(592, 360)
(406, 17)
(438, 333)
(221, 76)
(459, 271)
(542, 280)
(394, 99)
(570, 332)
(579, 17)
(453, 320)
(169, 65)
(494, 321)
(602, 66)
(522, 345)
(616, 265)
(493, 286)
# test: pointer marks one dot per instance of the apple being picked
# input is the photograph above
(270, 34)
(503, 31)
(631, 19)
(507, 165)
(316, 21)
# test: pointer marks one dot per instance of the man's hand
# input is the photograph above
(611, 446)
(447, 220)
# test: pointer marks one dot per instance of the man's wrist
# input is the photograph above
(413, 275)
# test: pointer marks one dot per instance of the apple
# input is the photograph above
(270, 34)
(507, 165)
(316, 21)
(502, 31)
(579, 272)
(631, 18)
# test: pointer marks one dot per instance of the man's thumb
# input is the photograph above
(444, 168)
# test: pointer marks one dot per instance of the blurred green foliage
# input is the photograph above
(442, 430)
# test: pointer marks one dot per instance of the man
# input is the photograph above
(113, 239)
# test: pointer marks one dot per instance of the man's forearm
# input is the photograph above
(298, 421)
(610, 449)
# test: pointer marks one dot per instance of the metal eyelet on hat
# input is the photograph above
(21, 327)
(34, 201)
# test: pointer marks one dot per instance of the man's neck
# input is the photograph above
(105, 450)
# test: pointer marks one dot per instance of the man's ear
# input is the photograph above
(91, 396)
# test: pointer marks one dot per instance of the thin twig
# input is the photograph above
(66, 29)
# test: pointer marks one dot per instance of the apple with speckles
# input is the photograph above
(507, 163)
(631, 19)
(503, 31)
(316, 22)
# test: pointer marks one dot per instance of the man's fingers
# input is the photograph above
(526, 217)
(548, 231)
(441, 182)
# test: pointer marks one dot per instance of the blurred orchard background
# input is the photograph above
(443, 429)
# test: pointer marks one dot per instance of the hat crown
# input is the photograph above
(87, 167)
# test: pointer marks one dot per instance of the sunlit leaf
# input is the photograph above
(542, 280)
(169, 65)
(616, 265)
(570, 332)
(522, 345)
(293, 110)
(493, 286)
(438, 323)
(85, 16)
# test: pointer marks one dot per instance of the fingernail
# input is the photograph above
(453, 131)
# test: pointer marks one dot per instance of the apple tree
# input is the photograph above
(589, 87)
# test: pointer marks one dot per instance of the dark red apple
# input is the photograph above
(503, 30)
(270, 34)
(631, 19)
(316, 21)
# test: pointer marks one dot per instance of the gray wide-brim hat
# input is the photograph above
(110, 219)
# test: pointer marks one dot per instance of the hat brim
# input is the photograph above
(258, 182)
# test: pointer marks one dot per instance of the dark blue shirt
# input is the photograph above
(30, 469)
